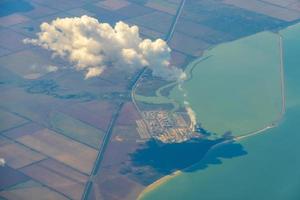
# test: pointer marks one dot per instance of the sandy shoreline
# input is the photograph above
(157, 183)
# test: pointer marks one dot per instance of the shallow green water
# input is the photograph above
(271, 168)
(237, 88)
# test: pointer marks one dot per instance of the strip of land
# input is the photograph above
(163, 180)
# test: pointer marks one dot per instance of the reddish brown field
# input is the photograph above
(26, 129)
(95, 113)
(64, 170)
(128, 115)
(266, 9)
(202, 32)
(113, 4)
(149, 33)
(168, 7)
(4, 141)
(113, 188)
(189, 45)
(157, 21)
(56, 181)
(13, 19)
(118, 153)
(125, 133)
(17, 156)
(70, 152)
(133, 10)
(32, 193)
(110, 183)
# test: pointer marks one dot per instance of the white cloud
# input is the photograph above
(2, 162)
(93, 46)
(52, 68)
(93, 71)
(191, 113)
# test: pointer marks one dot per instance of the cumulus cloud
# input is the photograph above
(2, 162)
(93, 46)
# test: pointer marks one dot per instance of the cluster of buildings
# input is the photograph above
(165, 126)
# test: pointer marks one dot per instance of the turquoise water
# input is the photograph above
(271, 168)
(237, 88)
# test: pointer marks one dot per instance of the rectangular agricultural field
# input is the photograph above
(39, 11)
(113, 4)
(157, 21)
(59, 5)
(79, 12)
(4, 141)
(31, 190)
(67, 151)
(9, 120)
(17, 156)
(29, 63)
(134, 10)
(196, 30)
(26, 129)
(76, 129)
(266, 9)
(103, 15)
(283, 3)
(95, 113)
(164, 5)
(149, 33)
(14, 42)
(53, 180)
(64, 170)
(36, 107)
(10, 177)
(120, 187)
(126, 133)
(188, 45)
(12, 19)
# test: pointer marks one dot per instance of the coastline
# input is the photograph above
(166, 178)
(263, 130)
(157, 183)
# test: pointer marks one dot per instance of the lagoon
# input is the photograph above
(269, 170)
(237, 87)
